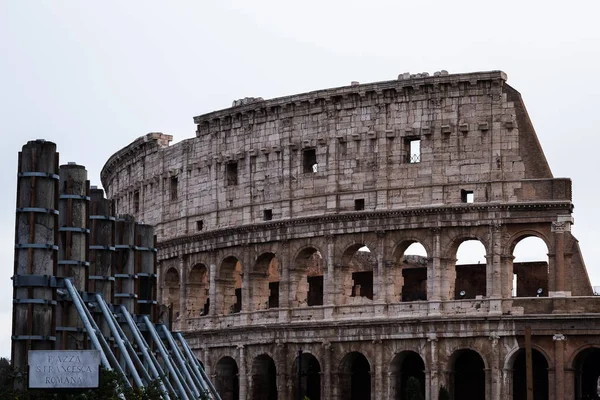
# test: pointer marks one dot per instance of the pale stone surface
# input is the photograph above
(263, 213)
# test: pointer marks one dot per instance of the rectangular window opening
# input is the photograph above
(315, 291)
(231, 174)
(414, 151)
(136, 201)
(362, 284)
(467, 196)
(268, 215)
(273, 294)
(359, 204)
(310, 161)
(173, 187)
(199, 225)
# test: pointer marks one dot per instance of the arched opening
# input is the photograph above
(468, 376)
(355, 377)
(587, 374)
(356, 275)
(307, 278)
(229, 286)
(310, 377)
(406, 366)
(264, 378)
(409, 281)
(172, 291)
(530, 268)
(471, 278)
(539, 367)
(265, 283)
(197, 301)
(227, 379)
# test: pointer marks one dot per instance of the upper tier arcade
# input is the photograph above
(425, 142)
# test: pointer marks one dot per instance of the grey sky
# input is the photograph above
(93, 76)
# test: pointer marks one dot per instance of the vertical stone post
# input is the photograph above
(284, 282)
(494, 266)
(507, 275)
(243, 374)
(559, 259)
(434, 380)
(380, 294)
(329, 286)
(434, 274)
(183, 315)
(36, 235)
(73, 249)
(327, 392)
(378, 370)
(283, 369)
(124, 266)
(559, 366)
(212, 289)
(496, 369)
(247, 264)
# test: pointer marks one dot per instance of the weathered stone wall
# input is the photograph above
(259, 248)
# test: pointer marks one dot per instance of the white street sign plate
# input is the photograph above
(63, 369)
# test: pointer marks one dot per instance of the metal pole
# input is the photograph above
(182, 370)
(181, 361)
(119, 341)
(86, 323)
(197, 368)
(143, 346)
(166, 357)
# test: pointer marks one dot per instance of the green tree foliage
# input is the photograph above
(111, 386)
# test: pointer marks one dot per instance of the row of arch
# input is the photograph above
(407, 378)
(356, 279)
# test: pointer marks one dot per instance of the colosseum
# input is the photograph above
(287, 231)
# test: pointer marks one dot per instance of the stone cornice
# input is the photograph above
(377, 87)
(354, 216)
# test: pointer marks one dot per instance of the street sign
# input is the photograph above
(63, 369)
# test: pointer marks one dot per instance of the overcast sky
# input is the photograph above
(93, 76)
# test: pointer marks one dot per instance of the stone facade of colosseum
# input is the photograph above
(262, 220)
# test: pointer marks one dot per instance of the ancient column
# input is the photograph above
(35, 246)
(327, 371)
(559, 260)
(243, 374)
(496, 368)
(182, 291)
(329, 286)
(379, 282)
(378, 370)
(284, 281)
(212, 289)
(434, 274)
(559, 366)
(73, 249)
(433, 368)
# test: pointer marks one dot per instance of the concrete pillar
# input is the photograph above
(73, 248)
(124, 266)
(243, 374)
(102, 242)
(35, 246)
(559, 366)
